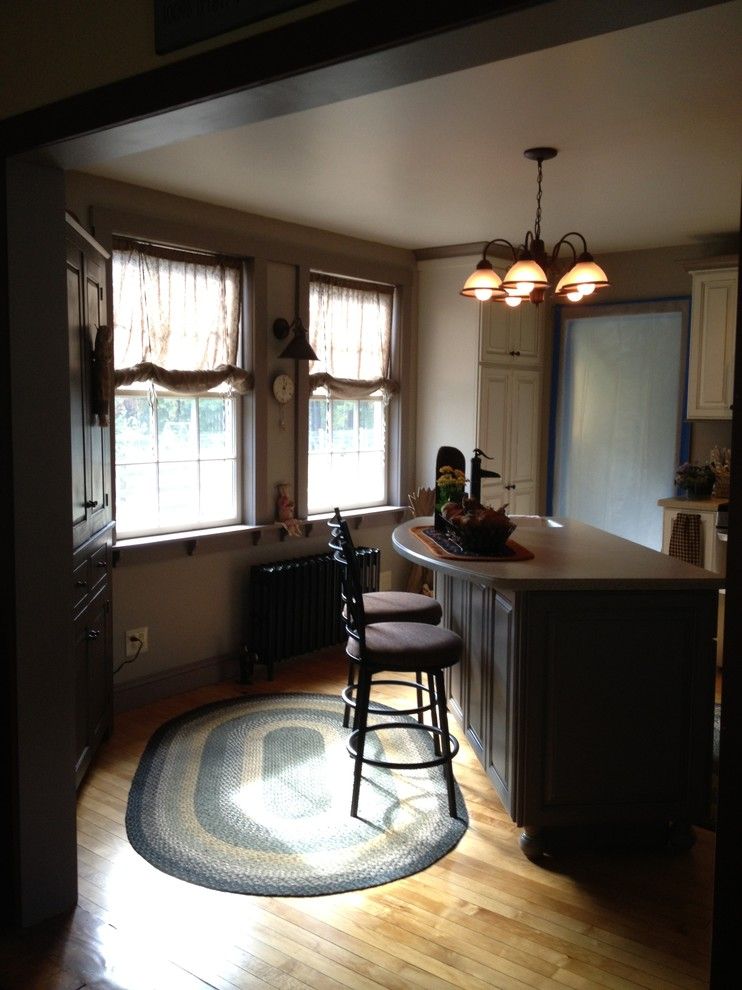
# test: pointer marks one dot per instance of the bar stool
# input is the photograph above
(386, 606)
(397, 647)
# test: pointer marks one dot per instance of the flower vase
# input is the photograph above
(445, 494)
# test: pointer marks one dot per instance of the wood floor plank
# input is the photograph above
(481, 917)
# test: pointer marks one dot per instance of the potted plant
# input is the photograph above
(696, 480)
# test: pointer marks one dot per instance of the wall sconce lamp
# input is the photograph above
(298, 347)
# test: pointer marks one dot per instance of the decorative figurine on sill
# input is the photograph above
(285, 511)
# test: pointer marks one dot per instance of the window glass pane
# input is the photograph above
(135, 430)
(178, 493)
(371, 472)
(216, 428)
(136, 498)
(177, 434)
(371, 420)
(320, 482)
(319, 434)
(343, 413)
(218, 490)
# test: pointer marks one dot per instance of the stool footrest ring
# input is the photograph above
(390, 764)
(347, 695)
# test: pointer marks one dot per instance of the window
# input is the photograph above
(177, 409)
(350, 325)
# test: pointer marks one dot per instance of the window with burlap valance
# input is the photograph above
(350, 329)
(176, 318)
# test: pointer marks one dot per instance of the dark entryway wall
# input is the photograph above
(29, 480)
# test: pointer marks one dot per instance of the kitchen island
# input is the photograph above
(586, 686)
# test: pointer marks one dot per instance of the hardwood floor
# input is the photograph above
(482, 917)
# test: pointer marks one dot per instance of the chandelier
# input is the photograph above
(533, 271)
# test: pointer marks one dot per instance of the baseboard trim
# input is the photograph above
(155, 687)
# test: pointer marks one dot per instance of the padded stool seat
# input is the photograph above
(401, 606)
(401, 646)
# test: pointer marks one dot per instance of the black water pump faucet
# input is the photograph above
(478, 472)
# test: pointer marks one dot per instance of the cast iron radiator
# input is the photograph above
(294, 606)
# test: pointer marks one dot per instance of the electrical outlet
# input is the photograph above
(133, 638)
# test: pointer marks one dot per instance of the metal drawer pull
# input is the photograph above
(93, 633)
(81, 584)
(90, 503)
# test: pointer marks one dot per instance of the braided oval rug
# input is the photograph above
(252, 795)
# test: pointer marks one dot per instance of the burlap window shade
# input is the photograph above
(350, 329)
(176, 318)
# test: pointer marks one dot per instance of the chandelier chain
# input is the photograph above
(537, 228)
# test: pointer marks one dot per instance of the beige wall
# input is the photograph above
(193, 605)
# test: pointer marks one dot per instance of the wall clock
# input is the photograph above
(283, 388)
(283, 391)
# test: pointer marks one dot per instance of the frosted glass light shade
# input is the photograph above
(524, 276)
(484, 283)
(585, 277)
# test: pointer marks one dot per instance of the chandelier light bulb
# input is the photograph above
(513, 301)
(483, 294)
(524, 288)
(574, 296)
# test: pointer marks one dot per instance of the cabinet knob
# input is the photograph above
(93, 633)
(509, 487)
(81, 584)
(90, 503)
(515, 354)
(102, 563)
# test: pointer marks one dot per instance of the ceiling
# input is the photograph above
(646, 121)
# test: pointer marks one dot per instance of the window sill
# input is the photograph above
(236, 537)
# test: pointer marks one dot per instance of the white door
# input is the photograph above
(621, 382)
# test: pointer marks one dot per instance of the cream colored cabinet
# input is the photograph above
(509, 432)
(511, 335)
(713, 328)
(713, 550)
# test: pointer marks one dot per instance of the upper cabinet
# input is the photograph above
(91, 442)
(511, 335)
(713, 328)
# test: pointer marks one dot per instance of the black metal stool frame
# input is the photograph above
(446, 746)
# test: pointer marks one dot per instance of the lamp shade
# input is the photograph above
(523, 277)
(299, 347)
(484, 283)
(584, 277)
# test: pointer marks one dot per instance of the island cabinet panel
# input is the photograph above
(586, 708)
(500, 733)
(618, 707)
(480, 688)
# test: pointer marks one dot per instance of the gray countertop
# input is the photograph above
(567, 555)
